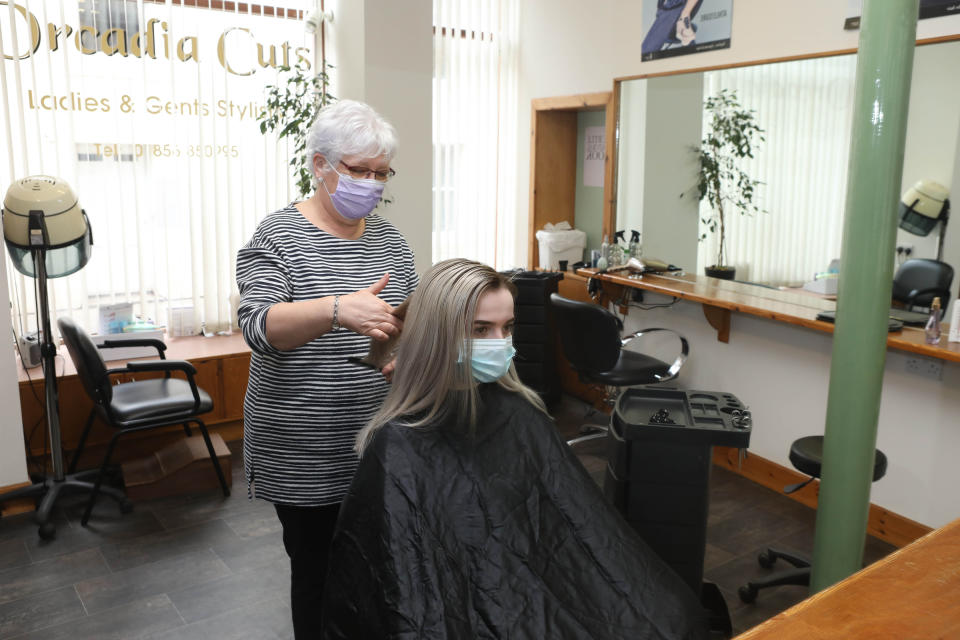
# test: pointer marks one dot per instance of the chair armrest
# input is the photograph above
(159, 345)
(167, 366)
(681, 358)
(161, 365)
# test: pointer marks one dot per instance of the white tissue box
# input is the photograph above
(823, 286)
(557, 245)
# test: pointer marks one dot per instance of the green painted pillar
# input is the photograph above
(884, 67)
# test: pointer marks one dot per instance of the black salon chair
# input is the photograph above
(591, 340)
(918, 281)
(135, 406)
(806, 454)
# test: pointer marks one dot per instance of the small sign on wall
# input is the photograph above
(928, 9)
(594, 150)
(681, 27)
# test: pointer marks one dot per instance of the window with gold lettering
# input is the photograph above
(106, 25)
(148, 109)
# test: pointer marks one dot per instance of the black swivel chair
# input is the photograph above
(591, 339)
(806, 454)
(135, 406)
(918, 281)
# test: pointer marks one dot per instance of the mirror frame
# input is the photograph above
(613, 124)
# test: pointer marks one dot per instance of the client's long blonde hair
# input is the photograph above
(433, 381)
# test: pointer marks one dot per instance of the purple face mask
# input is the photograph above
(354, 198)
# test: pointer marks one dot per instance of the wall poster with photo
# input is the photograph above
(681, 27)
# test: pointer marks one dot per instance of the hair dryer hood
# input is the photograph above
(42, 212)
(922, 206)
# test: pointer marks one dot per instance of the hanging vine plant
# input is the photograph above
(290, 109)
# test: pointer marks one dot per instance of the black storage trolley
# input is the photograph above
(658, 473)
(534, 332)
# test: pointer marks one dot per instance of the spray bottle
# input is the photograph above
(618, 250)
(634, 243)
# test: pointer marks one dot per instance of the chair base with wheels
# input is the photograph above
(806, 454)
(799, 576)
(46, 491)
(593, 430)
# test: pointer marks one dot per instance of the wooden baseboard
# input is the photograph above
(13, 507)
(881, 523)
(135, 446)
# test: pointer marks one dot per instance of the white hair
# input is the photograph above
(349, 128)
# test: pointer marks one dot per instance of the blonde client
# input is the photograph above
(468, 516)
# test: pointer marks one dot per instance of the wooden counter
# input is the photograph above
(912, 593)
(222, 363)
(720, 297)
(192, 348)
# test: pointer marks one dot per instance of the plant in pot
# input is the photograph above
(733, 135)
(290, 109)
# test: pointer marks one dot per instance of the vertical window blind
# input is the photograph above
(805, 108)
(474, 129)
(148, 109)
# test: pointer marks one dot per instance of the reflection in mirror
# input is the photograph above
(656, 140)
(805, 107)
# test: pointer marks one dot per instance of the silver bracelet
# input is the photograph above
(335, 325)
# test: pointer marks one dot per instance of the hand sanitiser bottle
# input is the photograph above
(933, 323)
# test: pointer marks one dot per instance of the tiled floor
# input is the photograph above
(211, 568)
(198, 566)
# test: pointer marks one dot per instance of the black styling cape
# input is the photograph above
(502, 534)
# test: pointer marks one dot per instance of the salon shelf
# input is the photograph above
(721, 297)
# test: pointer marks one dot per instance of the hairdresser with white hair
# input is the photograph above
(318, 280)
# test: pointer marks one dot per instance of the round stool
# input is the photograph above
(806, 454)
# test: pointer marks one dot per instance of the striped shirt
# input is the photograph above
(304, 407)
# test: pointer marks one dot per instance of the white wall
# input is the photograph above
(345, 48)
(670, 232)
(632, 154)
(951, 246)
(382, 53)
(399, 83)
(568, 47)
(932, 134)
(13, 462)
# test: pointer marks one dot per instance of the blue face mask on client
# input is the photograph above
(491, 358)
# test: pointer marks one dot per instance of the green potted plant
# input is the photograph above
(733, 134)
(290, 110)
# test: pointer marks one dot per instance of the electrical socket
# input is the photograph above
(925, 367)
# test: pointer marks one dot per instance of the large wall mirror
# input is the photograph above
(805, 107)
